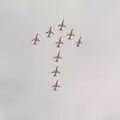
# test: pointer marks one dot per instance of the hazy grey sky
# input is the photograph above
(90, 74)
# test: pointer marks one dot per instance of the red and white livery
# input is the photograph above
(55, 72)
(71, 34)
(60, 42)
(57, 57)
(79, 42)
(36, 39)
(56, 85)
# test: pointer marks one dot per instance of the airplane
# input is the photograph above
(59, 42)
(61, 25)
(50, 32)
(35, 39)
(57, 57)
(79, 42)
(55, 72)
(56, 85)
(70, 34)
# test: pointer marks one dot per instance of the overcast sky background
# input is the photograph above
(90, 74)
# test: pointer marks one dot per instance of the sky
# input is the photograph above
(89, 74)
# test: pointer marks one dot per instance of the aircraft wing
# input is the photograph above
(57, 57)
(53, 71)
(58, 72)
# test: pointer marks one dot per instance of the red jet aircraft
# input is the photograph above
(59, 43)
(36, 39)
(70, 35)
(61, 25)
(50, 32)
(79, 42)
(57, 57)
(56, 85)
(55, 72)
